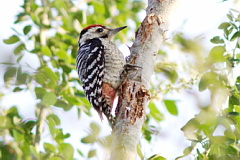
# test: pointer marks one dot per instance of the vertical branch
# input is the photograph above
(133, 98)
(43, 109)
(133, 95)
(40, 126)
(42, 30)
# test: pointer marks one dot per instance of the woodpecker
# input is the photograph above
(99, 65)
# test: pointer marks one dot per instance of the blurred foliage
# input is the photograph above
(50, 33)
(18, 138)
(215, 132)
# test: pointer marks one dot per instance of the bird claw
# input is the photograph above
(131, 70)
(129, 67)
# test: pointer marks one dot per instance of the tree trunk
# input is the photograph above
(133, 95)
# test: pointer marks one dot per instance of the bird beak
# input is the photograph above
(116, 30)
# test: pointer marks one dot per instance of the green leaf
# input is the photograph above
(66, 151)
(19, 48)
(199, 154)
(11, 40)
(191, 126)
(168, 70)
(13, 112)
(217, 40)
(55, 158)
(18, 136)
(92, 153)
(139, 151)
(7, 63)
(34, 152)
(28, 125)
(147, 134)
(54, 118)
(171, 106)
(46, 51)
(19, 58)
(80, 152)
(233, 114)
(52, 126)
(49, 99)
(88, 139)
(21, 77)
(60, 136)
(238, 80)
(236, 147)
(230, 17)
(49, 148)
(27, 29)
(10, 74)
(207, 80)
(224, 25)
(235, 35)
(154, 112)
(217, 54)
(63, 104)
(234, 25)
(229, 134)
(62, 54)
(171, 74)
(17, 89)
(234, 60)
(227, 32)
(106, 9)
(188, 150)
(95, 129)
(234, 100)
(156, 157)
(21, 17)
(40, 92)
(46, 77)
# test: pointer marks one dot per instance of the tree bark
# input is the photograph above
(133, 95)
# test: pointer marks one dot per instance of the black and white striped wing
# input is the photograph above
(90, 66)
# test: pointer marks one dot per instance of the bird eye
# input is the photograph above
(99, 30)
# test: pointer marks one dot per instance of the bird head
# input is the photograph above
(98, 31)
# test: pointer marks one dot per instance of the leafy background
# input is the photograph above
(39, 80)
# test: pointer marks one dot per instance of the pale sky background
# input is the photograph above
(200, 17)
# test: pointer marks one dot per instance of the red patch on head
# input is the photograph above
(93, 25)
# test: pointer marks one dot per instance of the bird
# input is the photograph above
(99, 64)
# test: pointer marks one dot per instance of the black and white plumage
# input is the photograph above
(90, 66)
(99, 65)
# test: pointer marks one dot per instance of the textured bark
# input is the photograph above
(133, 95)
